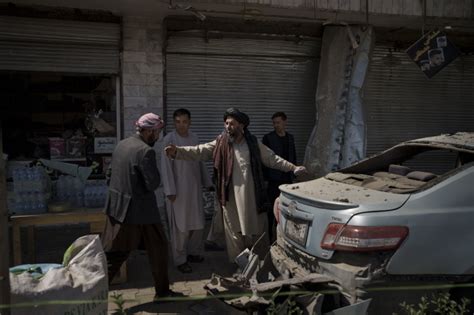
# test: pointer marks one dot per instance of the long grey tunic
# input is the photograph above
(184, 179)
(241, 208)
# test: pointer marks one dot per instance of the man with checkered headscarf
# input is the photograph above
(238, 158)
(133, 220)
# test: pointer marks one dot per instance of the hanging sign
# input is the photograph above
(432, 52)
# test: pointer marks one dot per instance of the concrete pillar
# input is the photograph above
(142, 69)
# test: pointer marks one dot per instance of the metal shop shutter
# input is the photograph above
(403, 104)
(258, 75)
(37, 44)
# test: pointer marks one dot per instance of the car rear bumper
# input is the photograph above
(362, 280)
(348, 279)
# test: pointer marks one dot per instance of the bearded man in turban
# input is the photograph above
(133, 220)
(238, 158)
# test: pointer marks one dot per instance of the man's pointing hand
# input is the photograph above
(170, 151)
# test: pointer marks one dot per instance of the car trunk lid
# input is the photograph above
(340, 196)
(306, 210)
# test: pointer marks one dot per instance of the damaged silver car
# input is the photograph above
(390, 228)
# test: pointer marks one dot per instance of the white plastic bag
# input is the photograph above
(80, 287)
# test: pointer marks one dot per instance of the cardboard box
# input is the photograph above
(104, 145)
(57, 148)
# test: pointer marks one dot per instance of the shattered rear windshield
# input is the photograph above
(403, 169)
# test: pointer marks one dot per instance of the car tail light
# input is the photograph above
(276, 210)
(363, 238)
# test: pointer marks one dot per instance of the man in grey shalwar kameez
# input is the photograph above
(182, 183)
(238, 157)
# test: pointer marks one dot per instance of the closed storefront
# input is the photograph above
(40, 44)
(402, 103)
(259, 74)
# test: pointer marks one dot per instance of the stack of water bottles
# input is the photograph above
(95, 194)
(78, 194)
(70, 190)
(32, 190)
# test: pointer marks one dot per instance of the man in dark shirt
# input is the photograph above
(283, 144)
(132, 213)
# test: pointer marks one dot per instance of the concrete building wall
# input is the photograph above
(434, 8)
(142, 69)
(315, 9)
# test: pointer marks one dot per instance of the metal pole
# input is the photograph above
(424, 18)
(366, 12)
(4, 240)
